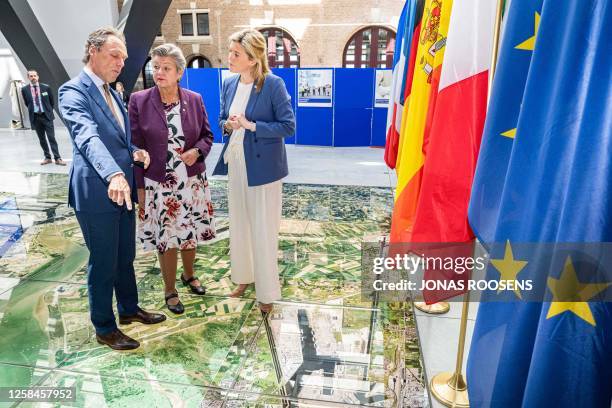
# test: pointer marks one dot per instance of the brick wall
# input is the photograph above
(321, 28)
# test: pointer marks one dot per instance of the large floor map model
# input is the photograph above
(323, 345)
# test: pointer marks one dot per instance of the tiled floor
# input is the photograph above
(324, 345)
(307, 164)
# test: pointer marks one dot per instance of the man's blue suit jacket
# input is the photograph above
(100, 146)
(264, 149)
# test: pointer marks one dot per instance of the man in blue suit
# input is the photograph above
(102, 186)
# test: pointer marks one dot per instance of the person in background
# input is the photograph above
(102, 185)
(256, 114)
(39, 100)
(18, 106)
(122, 94)
(175, 208)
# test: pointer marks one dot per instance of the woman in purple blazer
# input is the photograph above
(175, 210)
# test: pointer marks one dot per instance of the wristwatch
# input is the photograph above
(227, 130)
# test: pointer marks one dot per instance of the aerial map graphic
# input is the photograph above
(323, 345)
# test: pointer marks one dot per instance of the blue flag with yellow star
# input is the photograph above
(544, 175)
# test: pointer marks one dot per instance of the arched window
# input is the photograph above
(370, 47)
(147, 74)
(199, 61)
(283, 51)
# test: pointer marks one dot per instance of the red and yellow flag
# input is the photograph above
(434, 26)
(456, 126)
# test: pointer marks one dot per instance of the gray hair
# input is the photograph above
(172, 51)
(99, 37)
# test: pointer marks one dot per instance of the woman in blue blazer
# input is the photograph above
(256, 114)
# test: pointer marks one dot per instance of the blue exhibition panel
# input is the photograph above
(354, 95)
(288, 76)
(351, 120)
(379, 127)
(206, 83)
(379, 114)
(315, 124)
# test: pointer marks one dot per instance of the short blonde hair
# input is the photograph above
(172, 51)
(254, 43)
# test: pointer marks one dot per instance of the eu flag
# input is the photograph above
(544, 175)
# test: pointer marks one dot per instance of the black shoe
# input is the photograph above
(142, 316)
(176, 309)
(198, 290)
(117, 340)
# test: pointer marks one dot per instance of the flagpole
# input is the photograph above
(450, 389)
(495, 50)
(434, 308)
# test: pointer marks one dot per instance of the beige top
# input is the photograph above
(238, 106)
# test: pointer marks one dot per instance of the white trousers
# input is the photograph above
(254, 224)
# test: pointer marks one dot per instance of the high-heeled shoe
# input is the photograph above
(198, 290)
(239, 291)
(176, 309)
(266, 307)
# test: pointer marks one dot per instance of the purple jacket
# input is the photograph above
(150, 131)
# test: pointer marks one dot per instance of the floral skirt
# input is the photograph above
(177, 214)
